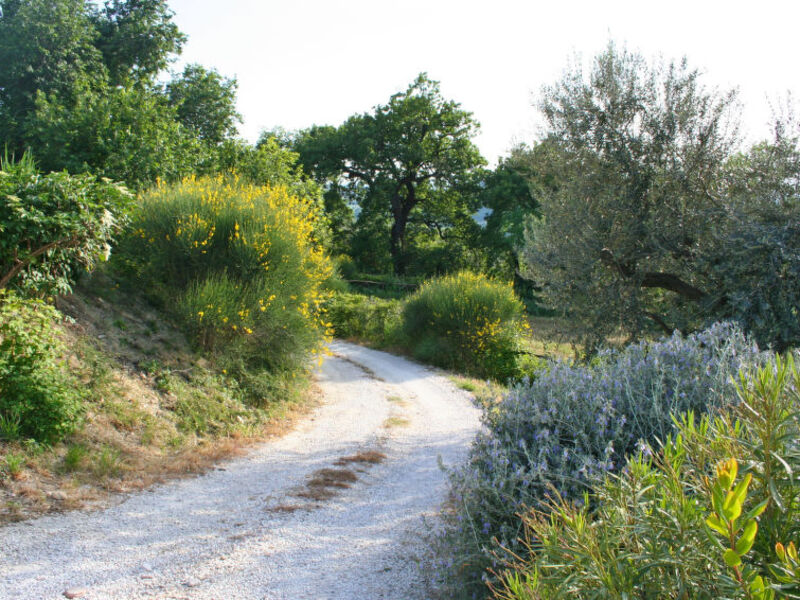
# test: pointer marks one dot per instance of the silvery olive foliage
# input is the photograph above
(655, 219)
(575, 423)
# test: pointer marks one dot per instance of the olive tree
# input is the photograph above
(636, 150)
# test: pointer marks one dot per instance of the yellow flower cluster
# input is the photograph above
(483, 337)
(256, 228)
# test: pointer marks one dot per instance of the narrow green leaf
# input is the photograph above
(731, 558)
(756, 510)
(745, 542)
(776, 496)
(740, 491)
(716, 524)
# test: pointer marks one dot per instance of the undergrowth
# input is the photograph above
(711, 514)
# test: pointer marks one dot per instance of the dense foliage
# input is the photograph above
(637, 147)
(574, 423)
(52, 225)
(405, 165)
(365, 318)
(79, 88)
(507, 198)
(708, 516)
(756, 265)
(204, 102)
(39, 397)
(466, 322)
(238, 263)
(653, 222)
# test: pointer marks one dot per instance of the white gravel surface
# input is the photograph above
(241, 531)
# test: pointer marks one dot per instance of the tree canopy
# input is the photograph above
(79, 91)
(404, 162)
(509, 196)
(205, 103)
(136, 38)
(639, 230)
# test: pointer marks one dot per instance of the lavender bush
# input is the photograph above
(574, 423)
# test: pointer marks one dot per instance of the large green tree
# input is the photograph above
(137, 38)
(653, 219)
(79, 91)
(404, 162)
(205, 102)
(129, 133)
(509, 196)
(46, 48)
(637, 151)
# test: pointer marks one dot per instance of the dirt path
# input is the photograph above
(333, 510)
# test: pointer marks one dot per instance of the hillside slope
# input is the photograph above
(155, 409)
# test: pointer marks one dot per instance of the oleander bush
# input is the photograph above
(715, 513)
(240, 265)
(574, 424)
(39, 397)
(467, 322)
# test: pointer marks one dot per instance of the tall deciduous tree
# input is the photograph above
(78, 90)
(405, 159)
(46, 48)
(137, 38)
(205, 102)
(510, 196)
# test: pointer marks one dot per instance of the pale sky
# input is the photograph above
(306, 62)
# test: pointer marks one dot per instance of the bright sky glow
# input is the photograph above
(306, 62)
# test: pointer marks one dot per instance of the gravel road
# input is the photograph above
(333, 510)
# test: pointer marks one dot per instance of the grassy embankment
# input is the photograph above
(154, 409)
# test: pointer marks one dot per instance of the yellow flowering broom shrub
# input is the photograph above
(466, 322)
(239, 264)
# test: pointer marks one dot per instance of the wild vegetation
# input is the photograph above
(466, 322)
(551, 437)
(53, 224)
(117, 399)
(40, 399)
(647, 451)
(240, 266)
(712, 513)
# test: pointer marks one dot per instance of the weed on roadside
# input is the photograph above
(13, 465)
(74, 458)
(107, 462)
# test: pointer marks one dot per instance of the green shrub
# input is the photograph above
(375, 320)
(346, 267)
(708, 516)
(239, 264)
(466, 321)
(39, 398)
(74, 458)
(573, 424)
(51, 224)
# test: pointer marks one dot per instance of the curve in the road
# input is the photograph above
(332, 510)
